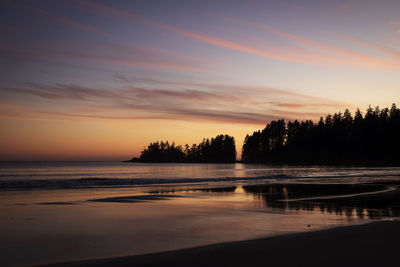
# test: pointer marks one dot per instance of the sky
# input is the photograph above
(99, 80)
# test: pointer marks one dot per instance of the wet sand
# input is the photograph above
(373, 244)
(53, 226)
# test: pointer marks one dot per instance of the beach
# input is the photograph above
(199, 133)
(372, 244)
(73, 212)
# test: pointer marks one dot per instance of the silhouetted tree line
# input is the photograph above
(220, 149)
(337, 139)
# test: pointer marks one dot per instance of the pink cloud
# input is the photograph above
(337, 55)
(322, 52)
(235, 46)
(394, 54)
(348, 8)
(209, 39)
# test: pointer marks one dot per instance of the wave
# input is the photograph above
(107, 182)
(95, 182)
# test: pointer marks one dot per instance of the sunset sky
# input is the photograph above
(99, 80)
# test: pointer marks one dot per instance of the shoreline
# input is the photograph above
(280, 164)
(369, 244)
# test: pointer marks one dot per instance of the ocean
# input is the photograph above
(63, 211)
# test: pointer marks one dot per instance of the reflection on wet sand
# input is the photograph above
(134, 199)
(89, 223)
(191, 190)
(361, 200)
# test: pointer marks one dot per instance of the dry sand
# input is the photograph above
(373, 244)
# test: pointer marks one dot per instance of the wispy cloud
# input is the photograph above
(209, 39)
(222, 103)
(23, 113)
(62, 21)
(312, 51)
(348, 8)
(388, 52)
(111, 54)
(316, 50)
(213, 40)
(11, 28)
(393, 22)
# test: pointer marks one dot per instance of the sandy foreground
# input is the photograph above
(373, 244)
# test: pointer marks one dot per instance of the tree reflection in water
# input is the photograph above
(283, 197)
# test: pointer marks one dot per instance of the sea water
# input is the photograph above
(62, 211)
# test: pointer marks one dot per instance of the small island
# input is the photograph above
(220, 149)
